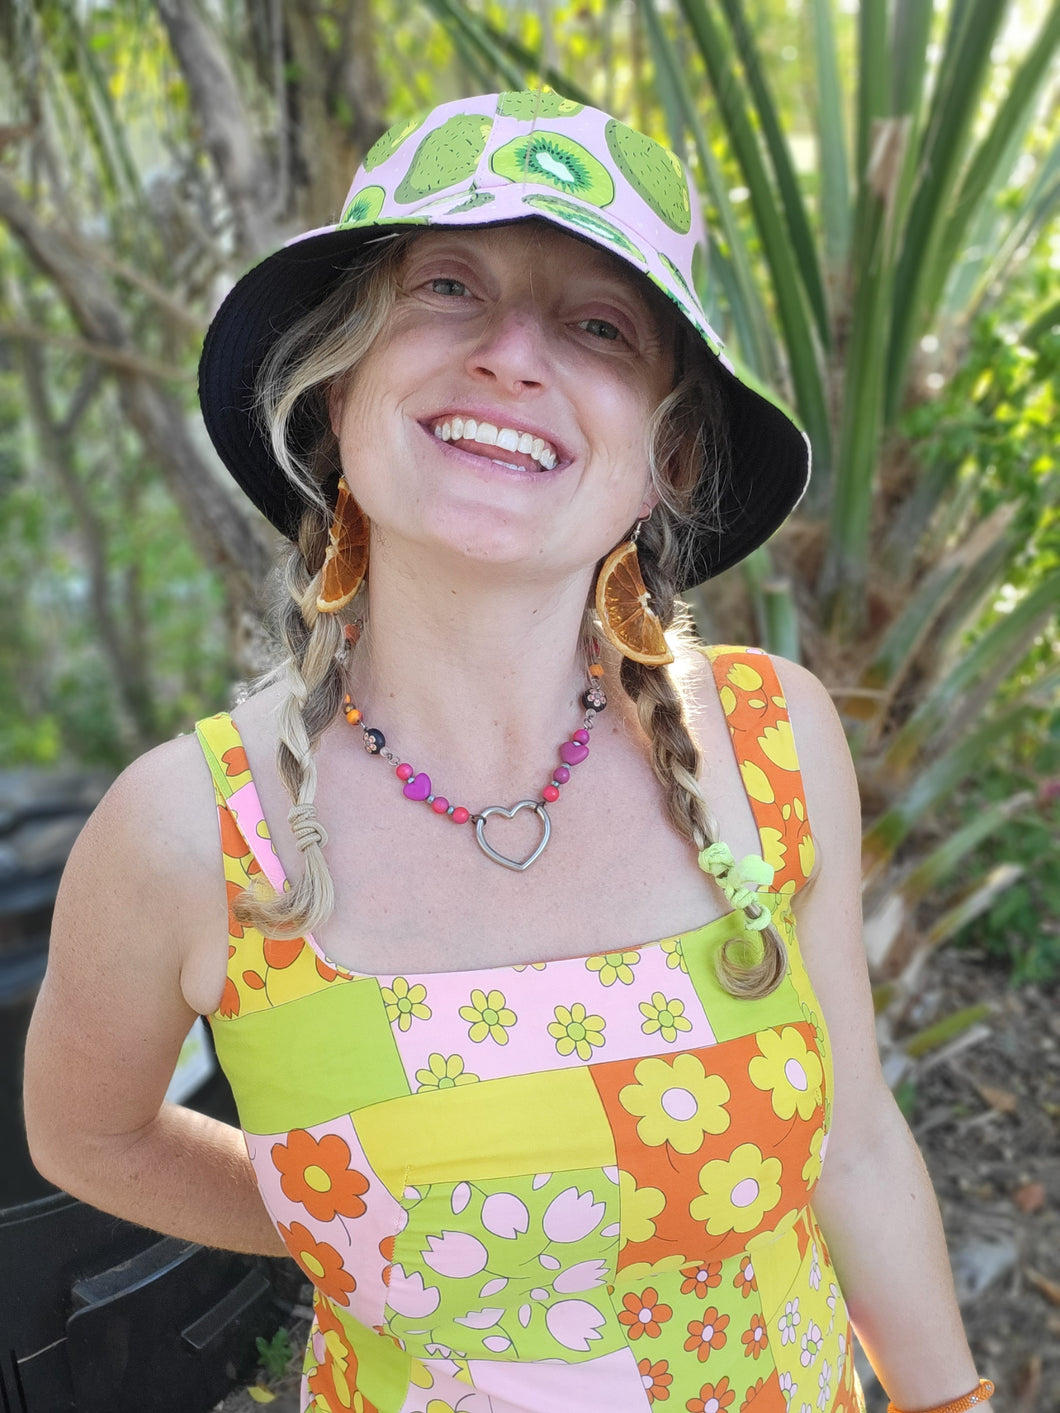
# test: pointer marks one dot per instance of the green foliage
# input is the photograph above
(1022, 927)
(275, 1353)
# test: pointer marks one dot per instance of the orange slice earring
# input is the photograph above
(346, 558)
(623, 607)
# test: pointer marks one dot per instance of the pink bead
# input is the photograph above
(582, 737)
(460, 815)
(561, 773)
(439, 804)
(550, 793)
(404, 772)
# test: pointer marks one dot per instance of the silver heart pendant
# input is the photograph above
(518, 864)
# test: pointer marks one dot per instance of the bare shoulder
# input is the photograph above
(144, 886)
(159, 812)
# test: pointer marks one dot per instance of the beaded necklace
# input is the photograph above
(416, 785)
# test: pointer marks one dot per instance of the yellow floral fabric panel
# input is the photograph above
(262, 971)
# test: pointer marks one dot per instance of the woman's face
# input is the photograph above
(502, 413)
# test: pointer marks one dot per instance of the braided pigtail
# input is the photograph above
(315, 646)
(688, 458)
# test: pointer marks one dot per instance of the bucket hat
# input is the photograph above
(485, 161)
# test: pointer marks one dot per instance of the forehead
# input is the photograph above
(543, 247)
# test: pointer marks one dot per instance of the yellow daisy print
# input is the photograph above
(637, 1207)
(677, 1102)
(811, 1169)
(737, 1191)
(787, 1068)
(614, 966)
(574, 1030)
(444, 1072)
(404, 1003)
(488, 1015)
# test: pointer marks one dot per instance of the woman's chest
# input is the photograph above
(607, 869)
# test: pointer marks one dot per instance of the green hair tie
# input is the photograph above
(740, 882)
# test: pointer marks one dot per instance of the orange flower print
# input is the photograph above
(280, 953)
(713, 1398)
(321, 1262)
(751, 1394)
(644, 1314)
(754, 1339)
(334, 1380)
(229, 1006)
(656, 1379)
(700, 1277)
(232, 842)
(744, 1280)
(707, 1334)
(317, 1173)
(235, 761)
(234, 891)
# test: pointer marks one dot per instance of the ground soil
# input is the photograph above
(985, 1109)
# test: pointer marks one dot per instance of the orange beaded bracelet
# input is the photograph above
(982, 1391)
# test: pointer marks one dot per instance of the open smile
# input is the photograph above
(514, 448)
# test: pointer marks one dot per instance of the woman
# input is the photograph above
(529, 1159)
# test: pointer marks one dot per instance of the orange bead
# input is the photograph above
(595, 670)
(353, 716)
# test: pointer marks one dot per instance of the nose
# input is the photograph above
(511, 353)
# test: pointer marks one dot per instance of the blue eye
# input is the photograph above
(601, 329)
(445, 286)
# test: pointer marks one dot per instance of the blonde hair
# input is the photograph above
(686, 434)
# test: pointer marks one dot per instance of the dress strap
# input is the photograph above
(753, 702)
(236, 792)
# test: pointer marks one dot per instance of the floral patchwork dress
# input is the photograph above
(581, 1185)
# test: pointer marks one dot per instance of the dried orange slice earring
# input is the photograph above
(622, 605)
(346, 559)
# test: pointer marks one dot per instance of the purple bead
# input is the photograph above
(561, 774)
(418, 788)
(573, 752)
(582, 737)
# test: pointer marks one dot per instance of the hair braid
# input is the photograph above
(314, 643)
(675, 759)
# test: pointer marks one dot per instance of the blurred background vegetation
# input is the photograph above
(882, 184)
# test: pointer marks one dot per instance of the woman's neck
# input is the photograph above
(481, 680)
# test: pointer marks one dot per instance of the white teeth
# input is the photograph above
(467, 429)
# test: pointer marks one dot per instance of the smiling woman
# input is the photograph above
(557, 1103)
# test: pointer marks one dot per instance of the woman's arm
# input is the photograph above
(137, 949)
(874, 1200)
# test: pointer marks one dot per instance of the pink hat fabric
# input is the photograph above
(484, 161)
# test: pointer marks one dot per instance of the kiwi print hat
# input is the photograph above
(486, 161)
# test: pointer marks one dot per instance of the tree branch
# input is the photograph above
(228, 535)
(244, 174)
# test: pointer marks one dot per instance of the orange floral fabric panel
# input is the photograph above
(754, 706)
